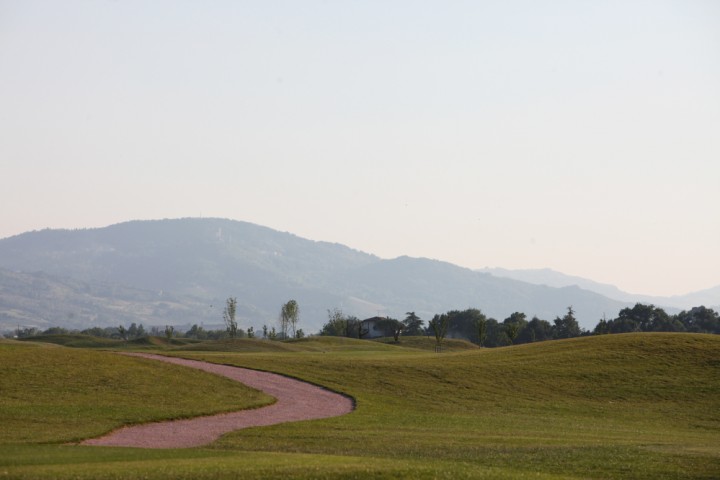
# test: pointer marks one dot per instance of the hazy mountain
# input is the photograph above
(181, 271)
(545, 276)
(709, 297)
(43, 300)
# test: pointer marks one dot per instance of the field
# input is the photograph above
(638, 406)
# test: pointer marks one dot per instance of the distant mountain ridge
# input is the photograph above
(545, 276)
(180, 272)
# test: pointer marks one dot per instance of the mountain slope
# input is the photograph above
(181, 271)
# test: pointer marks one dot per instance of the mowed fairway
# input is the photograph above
(51, 394)
(640, 406)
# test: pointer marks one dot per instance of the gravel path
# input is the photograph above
(296, 400)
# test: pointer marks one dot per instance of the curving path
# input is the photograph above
(296, 400)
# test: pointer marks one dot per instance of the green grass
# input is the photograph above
(79, 463)
(631, 406)
(52, 394)
(77, 340)
(428, 343)
(640, 406)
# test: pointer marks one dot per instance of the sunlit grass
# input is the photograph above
(429, 343)
(55, 394)
(640, 406)
(82, 463)
(635, 406)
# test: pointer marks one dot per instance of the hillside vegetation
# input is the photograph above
(636, 406)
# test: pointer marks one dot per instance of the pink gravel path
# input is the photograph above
(296, 400)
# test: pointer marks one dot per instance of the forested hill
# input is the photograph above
(181, 271)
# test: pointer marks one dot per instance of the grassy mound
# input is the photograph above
(75, 341)
(428, 343)
(160, 343)
(340, 345)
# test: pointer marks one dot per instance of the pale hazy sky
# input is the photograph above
(582, 136)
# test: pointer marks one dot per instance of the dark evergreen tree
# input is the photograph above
(567, 326)
(413, 325)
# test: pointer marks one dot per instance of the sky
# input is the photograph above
(581, 136)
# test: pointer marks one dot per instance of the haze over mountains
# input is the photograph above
(545, 276)
(180, 272)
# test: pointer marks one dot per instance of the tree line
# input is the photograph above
(288, 328)
(472, 325)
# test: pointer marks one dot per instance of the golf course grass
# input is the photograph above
(636, 406)
(52, 394)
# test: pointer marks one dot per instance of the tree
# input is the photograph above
(700, 320)
(390, 326)
(229, 317)
(413, 325)
(196, 332)
(463, 324)
(289, 314)
(642, 318)
(439, 325)
(337, 325)
(536, 330)
(132, 331)
(97, 332)
(56, 331)
(481, 325)
(567, 326)
(496, 334)
(169, 330)
(603, 327)
(355, 328)
(514, 324)
(251, 332)
(512, 330)
(123, 332)
(27, 332)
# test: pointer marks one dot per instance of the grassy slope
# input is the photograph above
(428, 343)
(621, 406)
(632, 406)
(76, 340)
(54, 394)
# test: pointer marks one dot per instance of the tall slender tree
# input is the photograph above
(229, 317)
(289, 316)
(481, 325)
(439, 325)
